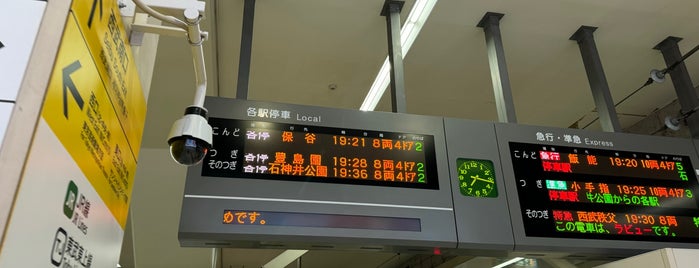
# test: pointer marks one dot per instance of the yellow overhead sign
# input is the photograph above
(81, 114)
(100, 24)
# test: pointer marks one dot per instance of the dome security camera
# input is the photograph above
(190, 137)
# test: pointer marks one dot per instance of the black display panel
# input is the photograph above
(299, 219)
(570, 192)
(265, 150)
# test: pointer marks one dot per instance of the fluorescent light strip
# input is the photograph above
(411, 28)
(513, 260)
(285, 258)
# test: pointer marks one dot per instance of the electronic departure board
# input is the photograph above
(626, 190)
(263, 150)
(293, 176)
(606, 194)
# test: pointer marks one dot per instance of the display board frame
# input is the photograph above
(482, 222)
(206, 198)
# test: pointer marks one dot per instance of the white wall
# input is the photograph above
(5, 112)
(15, 50)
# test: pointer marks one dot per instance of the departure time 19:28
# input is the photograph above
(354, 162)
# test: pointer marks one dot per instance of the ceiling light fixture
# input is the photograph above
(658, 76)
(285, 258)
(511, 261)
(413, 24)
(675, 122)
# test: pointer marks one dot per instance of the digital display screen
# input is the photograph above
(277, 151)
(604, 194)
(299, 219)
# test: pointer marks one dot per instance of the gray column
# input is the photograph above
(686, 95)
(598, 81)
(498, 67)
(391, 10)
(245, 50)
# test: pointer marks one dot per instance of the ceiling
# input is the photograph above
(301, 47)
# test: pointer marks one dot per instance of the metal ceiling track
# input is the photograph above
(498, 67)
(598, 81)
(686, 95)
(391, 10)
(245, 50)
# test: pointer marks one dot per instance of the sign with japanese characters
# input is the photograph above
(80, 113)
(75, 191)
(593, 192)
(288, 174)
(100, 24)
(604, 194)
(276, 151)
(59, 220)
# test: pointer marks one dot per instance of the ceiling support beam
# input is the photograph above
(498, 67)
(686, 94)
(391, 10)
(598, 81)
(245, 50)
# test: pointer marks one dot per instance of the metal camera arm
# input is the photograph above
(189, 28)
(190, 137)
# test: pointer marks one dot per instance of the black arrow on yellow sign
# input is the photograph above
(92, 12)
(69, 85)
